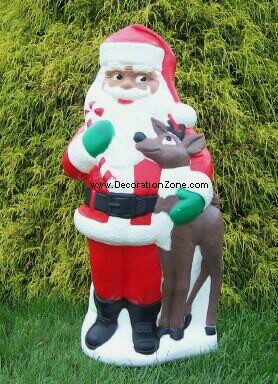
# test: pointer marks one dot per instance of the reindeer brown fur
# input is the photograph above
(206, 230)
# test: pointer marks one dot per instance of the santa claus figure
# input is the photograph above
(135, 83)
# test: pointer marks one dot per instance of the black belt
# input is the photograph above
(124, 205)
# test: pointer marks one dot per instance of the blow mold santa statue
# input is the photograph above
(135, 83)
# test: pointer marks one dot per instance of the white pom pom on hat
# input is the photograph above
(184, 114)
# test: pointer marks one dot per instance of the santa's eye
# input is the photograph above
(117, 76)
(168, 140)
(141, 79)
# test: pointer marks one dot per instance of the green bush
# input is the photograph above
(227, 70)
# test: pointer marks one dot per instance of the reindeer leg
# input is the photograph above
(183, 257)
(196, 287)
(211, 249)
(216, 282)
(167, 288)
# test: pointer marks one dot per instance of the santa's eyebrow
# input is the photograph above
(111, 72)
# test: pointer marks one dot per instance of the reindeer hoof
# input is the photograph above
(176, 334)
(210, 330)
(161, 331)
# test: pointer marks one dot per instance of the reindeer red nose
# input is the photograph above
(139, 136)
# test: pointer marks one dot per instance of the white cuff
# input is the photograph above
(78, 156)
(200, 183)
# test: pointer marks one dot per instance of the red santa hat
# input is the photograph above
(139, 45)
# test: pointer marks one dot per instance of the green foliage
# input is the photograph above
(227, 70)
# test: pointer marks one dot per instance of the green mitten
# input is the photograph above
(97, 137)
(188, 208)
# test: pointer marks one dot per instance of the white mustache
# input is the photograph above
(130, 94)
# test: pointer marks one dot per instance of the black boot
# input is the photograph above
(143, 322)
(106, 322)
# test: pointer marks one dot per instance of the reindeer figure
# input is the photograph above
(206, 230)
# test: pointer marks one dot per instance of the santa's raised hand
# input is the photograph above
(97, 137)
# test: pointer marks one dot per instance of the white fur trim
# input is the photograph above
(201, 178)
(131, 54)
(171, 180)
(163, 226)
(136, 68)
(78, 156)
(119, 231)
(184, 114)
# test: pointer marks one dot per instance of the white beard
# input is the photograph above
(128, 119)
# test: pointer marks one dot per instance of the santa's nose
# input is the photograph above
(139, 136)
(127, 84)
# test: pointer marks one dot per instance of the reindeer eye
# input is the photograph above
(168, 140)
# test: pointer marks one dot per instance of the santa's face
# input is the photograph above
(128, 85)
(128, 98)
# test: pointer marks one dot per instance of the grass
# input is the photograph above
(40, 344)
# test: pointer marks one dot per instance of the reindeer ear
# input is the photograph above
(158, 126)
(194, 144)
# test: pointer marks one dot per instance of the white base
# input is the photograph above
(119, 349)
